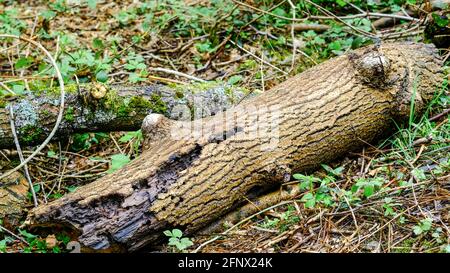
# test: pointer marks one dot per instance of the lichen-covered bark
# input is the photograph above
(188, 180)
(97, 107)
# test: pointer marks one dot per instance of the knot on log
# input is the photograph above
(373, 67)
(155, 127)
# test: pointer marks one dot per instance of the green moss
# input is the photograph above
(179, 94)
(56, 91)
(31, 133)
(69, 114)
(158, 105)
(138, 102)
(112, 101)
(3, 103)
(45, 112)
(123, 109)
(125, 106)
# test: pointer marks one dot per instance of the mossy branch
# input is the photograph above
(96, 107)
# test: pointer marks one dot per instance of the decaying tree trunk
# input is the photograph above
(96, 107)
(195, 172)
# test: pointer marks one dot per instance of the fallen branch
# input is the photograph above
(195, 172)
(305, 27)
(96, 107)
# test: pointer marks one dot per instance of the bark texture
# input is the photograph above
(96, 107)
(203, 169)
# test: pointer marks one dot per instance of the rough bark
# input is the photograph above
(96, 107)
(188, 180)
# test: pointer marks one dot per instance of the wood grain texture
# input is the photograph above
(188, 182)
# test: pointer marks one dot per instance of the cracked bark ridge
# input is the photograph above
(207, 167)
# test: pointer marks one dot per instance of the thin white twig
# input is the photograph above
(329, 13)
(7, 88)
(176, 73)
(61, 109)
(13, 234)
(261, 70)
(294, 44)
(19, 152)
(270, 35)
(258, 58)
(360, 15)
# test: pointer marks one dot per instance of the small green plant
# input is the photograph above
(368, 185)
(388, 207)
(323, 193)
(447, 249)
(437, 235)
(285, 220)
(269, 223)
(85, 140)
(176, 239)
(133, 137)
(118, 161)
(423, 227)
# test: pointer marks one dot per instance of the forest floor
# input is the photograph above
(390, 197)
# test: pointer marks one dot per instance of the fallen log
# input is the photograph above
(195, 172)
(102, 108)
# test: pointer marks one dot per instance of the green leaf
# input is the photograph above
(280, 12)
(3, 245)
(180, 246)
(335, 45)
(203, 47)
(168, 233)
(23, 62)
(309, 199)
(173, 241)
(419, 174)
(335, 172)
(97, 43)
(447, 249)
(27, 235)
(126, 138)
(441, 21)
(368, 190)
(417, 230)
(234, 79)
(310, 203)
(327, 168)
(48, 14)
(51, 154)
(306, 185)
(319, 41)
(71, 188)
(186, 242)
(118, 161)
(298, 176)
(134, 78)
(37, 188)
(425, 224)
(341, 3)
(92, 4)
(177, 233)
(102, 76)
(18, 89)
